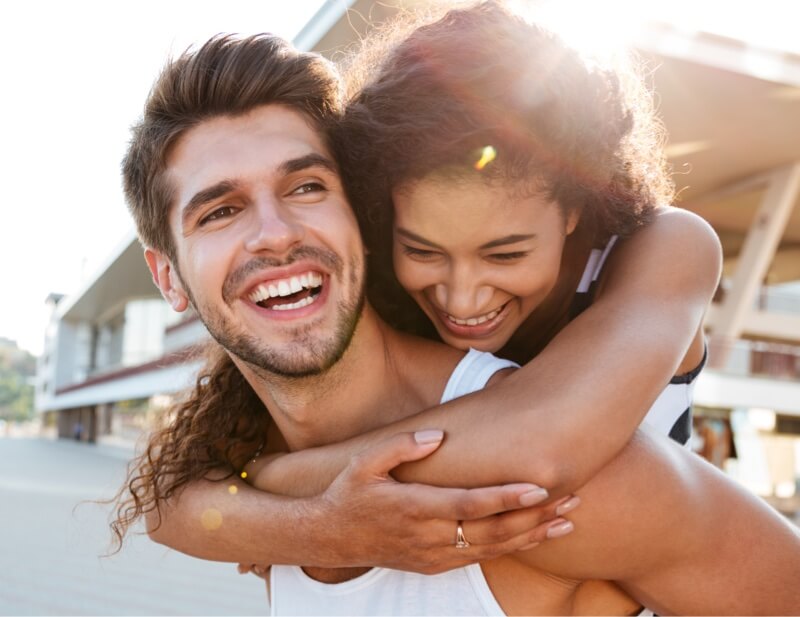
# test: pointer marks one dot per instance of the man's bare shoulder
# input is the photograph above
(423, 365)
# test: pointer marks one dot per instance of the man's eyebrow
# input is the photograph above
(219, 189)
(304, 162)
(201, 198)
(512, 239)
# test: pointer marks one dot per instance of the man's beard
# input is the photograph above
(305, 355)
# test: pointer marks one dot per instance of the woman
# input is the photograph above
(567, 190)
(515, 199)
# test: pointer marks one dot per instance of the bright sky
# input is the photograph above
(75, 76)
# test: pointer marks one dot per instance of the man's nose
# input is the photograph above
(275, 228)
(462, 295)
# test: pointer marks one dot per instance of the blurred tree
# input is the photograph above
(17, 369)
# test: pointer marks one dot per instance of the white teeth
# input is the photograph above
(474, 321)
(295, 285)
(286, 287)
(294, 305)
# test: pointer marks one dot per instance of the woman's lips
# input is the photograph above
(474, 327)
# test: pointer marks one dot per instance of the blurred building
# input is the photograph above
(115, 353)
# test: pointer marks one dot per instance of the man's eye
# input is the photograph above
(219, 213)
(308, 187)
(508, 256)
(418, 253)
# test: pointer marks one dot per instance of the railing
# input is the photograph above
(757, 358)
(132, 358)
(776, 301)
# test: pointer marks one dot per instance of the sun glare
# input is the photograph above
(597, 30)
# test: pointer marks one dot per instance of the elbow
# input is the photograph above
(552, 470)
(558, 476)
(154, 525)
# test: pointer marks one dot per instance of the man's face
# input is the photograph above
(267, 246)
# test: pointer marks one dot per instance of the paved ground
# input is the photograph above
(50, 543)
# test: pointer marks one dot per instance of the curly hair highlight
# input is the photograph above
(217, 426)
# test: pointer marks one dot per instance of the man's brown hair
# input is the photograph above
(225, 77)
(221, 420)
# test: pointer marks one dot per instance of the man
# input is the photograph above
(244, 218)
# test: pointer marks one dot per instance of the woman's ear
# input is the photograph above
(573, 217)
(166, 278)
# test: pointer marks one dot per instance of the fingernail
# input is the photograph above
(533, 497)
(528, 547)
(560, 529)
(568, 505)
(428, 436)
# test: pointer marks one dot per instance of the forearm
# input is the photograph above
(558, 420)
(231, 521)
(679, 536)
(544, 424)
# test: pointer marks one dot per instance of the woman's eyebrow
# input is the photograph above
(512, 239)
(412, 236)
(505, 240)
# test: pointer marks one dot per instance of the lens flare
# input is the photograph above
(232, 489)
(488, 154)
(211, 519)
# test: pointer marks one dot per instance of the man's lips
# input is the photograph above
(287, 286)
(288, 293)
(294, 304)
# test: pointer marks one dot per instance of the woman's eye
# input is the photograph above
(508, 256)
(219, 213)
(419, 253)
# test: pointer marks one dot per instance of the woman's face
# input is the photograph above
(478, 257)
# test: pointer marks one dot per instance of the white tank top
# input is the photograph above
(463, 591)
(380, 591)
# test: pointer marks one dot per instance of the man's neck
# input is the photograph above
(370, 386)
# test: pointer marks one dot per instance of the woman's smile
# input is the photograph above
(476, 255)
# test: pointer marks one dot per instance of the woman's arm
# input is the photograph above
(530, 427)
(585, 393)
(679, 536)
(364, 518)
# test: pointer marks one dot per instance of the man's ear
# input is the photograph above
(166, 278)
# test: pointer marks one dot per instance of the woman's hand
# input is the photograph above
(366, 518)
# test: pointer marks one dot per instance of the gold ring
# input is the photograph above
(461, 541)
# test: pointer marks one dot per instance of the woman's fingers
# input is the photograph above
(414, 526)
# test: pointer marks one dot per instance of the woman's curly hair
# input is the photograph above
(427, 95)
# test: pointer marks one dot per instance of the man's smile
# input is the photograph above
(288, 293)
